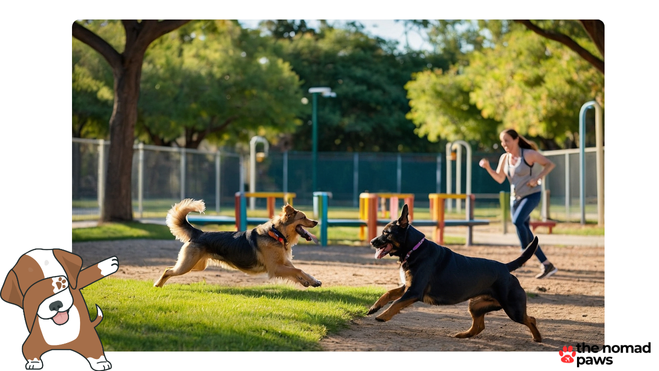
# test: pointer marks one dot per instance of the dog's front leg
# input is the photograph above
(386, 298)
(398, 305)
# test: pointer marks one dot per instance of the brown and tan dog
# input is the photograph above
(46, 284)
(264, 249)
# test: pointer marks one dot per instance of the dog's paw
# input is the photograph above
(373, 309)
(34, 364)
(109, 266)
(99, 364)
(382, 318)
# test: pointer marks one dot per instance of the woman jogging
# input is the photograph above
(517, 165)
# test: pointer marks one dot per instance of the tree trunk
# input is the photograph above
(127, 71)
(117, 201)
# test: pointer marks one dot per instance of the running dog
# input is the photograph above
(436, 275)
(264, 249)
(46, 284)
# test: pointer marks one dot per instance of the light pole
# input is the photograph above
(326, 92)
(253, 158)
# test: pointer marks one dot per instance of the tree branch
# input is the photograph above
(567, 41)
(95, 42)
(139, 35)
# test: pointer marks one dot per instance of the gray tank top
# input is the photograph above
(519, 175)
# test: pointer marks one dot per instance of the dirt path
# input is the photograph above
(569, 306)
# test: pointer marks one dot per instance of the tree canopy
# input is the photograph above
(217, 82)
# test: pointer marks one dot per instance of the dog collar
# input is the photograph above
(274, 233)
(413, 249)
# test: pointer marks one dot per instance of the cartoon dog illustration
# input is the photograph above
(46, 284)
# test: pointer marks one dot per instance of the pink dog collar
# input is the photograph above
(413, 249)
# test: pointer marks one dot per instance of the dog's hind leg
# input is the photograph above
(515, 308)
(478, 307)
(189, 258)
(386, 298)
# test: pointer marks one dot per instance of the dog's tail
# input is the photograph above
(526, 255)
(177, 221)
(99, 316)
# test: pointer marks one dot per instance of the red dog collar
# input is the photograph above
(274, 233)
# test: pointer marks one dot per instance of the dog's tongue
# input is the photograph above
(306, 234)
(379, 253)
(61, 318)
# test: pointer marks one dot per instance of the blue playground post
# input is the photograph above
(241, 211)
(322, 202)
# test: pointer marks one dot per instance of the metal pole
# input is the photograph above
(355, 180)
(218, 186)
(314, 148)
(399, 174)
(582, 161)
(449, 175)
(101, 175)
(458, 177)
(140, 179)
(183, 165)
(438, 175)
(285, 175)
(567, 187)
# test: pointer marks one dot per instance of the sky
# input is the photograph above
(388, 29)
(35, 163)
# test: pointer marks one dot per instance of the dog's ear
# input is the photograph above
(11, 293)
(71, 263)
(287, 212)
(404, 219)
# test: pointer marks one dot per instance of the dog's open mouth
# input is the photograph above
(305, 234)
(382, 251)
(61, 318)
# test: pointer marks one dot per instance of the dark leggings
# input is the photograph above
(520, 212)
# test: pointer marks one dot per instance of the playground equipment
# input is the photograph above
(368, 215)
(437, 206)
(241, 220)
(457, 145)
(599, 156)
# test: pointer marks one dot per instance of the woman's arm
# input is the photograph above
(497, 174)
(533, 157)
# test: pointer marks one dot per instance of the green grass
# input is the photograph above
(201, 317)
(122, 231)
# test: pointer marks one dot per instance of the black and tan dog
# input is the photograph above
(436, 275)
(264, 249)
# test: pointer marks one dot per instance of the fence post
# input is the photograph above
(140, 179)
(101, 175)
(471, 200)
(183, 166)
(355, 180)
(218, 185)
(504, 201)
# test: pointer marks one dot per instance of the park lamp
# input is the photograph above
(327, 93)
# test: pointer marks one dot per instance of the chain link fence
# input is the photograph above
(162, 176)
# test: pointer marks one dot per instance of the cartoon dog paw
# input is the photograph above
(109, 266)
(34, 364)
(99, 364)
